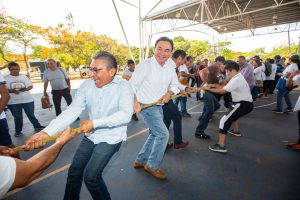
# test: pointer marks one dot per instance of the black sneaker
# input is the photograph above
(288, 110)
(218, 148)
(18, 134)
(134, 117)
(235, 133)
(186, 115)
(39, 128)
(202, 136)
(277, 111)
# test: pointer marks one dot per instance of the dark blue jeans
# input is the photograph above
(88, 164)
(254, 92)
(171, 113)
(182, 101)
(5, 139)
(210, 105)
(17, 111)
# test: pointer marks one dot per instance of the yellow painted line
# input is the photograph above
(68, 165)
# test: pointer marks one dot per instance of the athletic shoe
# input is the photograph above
(288, 110)
(277, 111)
(202, 136)
(186, 115)
(18, 134)
(235, 133)
(218, 148)
(39, 128)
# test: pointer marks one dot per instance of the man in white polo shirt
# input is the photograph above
(241, 98)
(154, 80)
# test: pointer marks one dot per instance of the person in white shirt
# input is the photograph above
(184, 76)
(170, 110)
(60, 84)
(294, 65)
(127, 75)
(109, 101)
(154, 80)
(129, 71)
(259, 74)
(20, 98)
(241, 98)
(16, 173)
(294, 81)
(268, 82)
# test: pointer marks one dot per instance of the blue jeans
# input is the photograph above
(210, 105)
(17, 111)
(154, 148)
(286, 95)
(182, 101)
(5, 139)
(88, 163)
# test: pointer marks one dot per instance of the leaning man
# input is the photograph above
(109, 101)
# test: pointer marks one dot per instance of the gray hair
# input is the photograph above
(108, 57)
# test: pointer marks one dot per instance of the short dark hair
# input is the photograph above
(271, 61)
(231, 65)
(108, 57)
(165, 39)
(220, 59)
(12, 64)
(129, 62)
(188, 58)
(179, 53)
(205, 59)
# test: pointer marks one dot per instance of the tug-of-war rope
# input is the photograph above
(77, 131)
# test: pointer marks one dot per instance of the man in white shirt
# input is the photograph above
(154, 80)
(109, 101)
(184, 76)
(241, 98)
(20, 98)
(60, 84)
(127, 75)
(16, 173)
(170, 110)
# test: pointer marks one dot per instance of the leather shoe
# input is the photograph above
(170, 146)
(138, 165)
(157, 173)
(181, 145)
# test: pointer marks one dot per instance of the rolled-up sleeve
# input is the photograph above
(124, 113)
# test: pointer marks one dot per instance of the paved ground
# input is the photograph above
(257, 166)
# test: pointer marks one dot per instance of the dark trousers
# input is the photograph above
(240, 109)
(5, 139)
(299, 125)
(198, 83)
(254, 92)
(57, 96)
(17, 112)
(267, 86)
(171, 113)
(226, 98)
(210, 105)
(88, 164)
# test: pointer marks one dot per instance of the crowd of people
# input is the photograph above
(112, 101)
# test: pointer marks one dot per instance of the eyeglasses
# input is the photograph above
(95, 70)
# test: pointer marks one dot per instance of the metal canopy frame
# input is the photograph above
(218, 17)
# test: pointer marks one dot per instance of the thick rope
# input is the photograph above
(76, 131)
